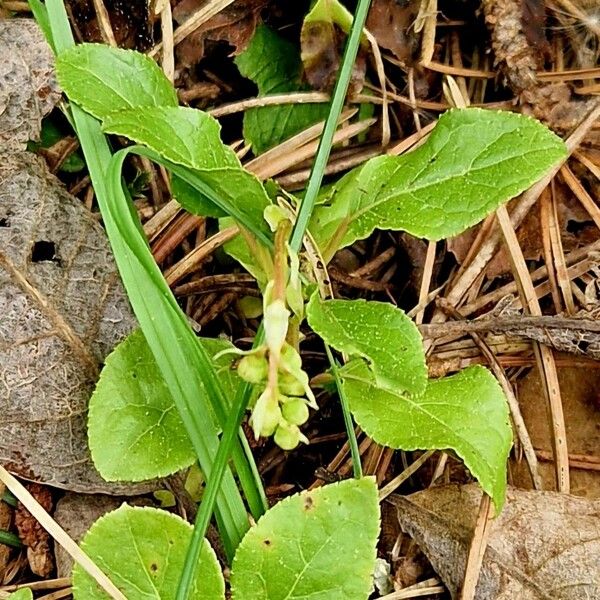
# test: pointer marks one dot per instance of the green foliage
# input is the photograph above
(134, 429)
(376, 331)
(466, 412)
(473, 161)
(23, 594)
(142, 551)
(318, 544)
(274, 65)
(103, 80)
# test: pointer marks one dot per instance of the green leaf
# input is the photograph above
(274, 65)
(318, 544)
(185, 136)
(135, 431)
(23, 594)
(191, 138)
(102, 79)
(192, 200)
(466, 412)
(473, 161)
(377, 331)
(142, 551)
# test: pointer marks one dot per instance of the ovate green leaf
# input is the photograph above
(274, 65)
(473, 161)
(377, 331)
(317, 545)
(102, 79)
(142, 550)
(466, 412)
(134, 429)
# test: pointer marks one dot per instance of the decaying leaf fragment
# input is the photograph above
(62, 306)
(28, 88)
(543, 546)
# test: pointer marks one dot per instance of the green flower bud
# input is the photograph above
(289, 385)
(253, 368)
(287, 436)
(266, 415)
(295, 411)
(276, 325)
(272, 420)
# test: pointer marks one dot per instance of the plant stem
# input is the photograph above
(348, 422)
(335, 110)
(243, 397)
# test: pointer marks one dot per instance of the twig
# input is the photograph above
(544, 355)
(479, 542)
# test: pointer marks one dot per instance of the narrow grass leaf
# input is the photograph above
(173, 344)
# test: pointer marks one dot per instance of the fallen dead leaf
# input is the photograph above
(390, 21)
(581, 406)
(235, 25)
(570, 215)
(543, 546)
(63, 307)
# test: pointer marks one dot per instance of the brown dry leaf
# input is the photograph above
(33, 535)
(235, 25)
(529, 234)
(543, 546)
(63, 307)
(390, 21)
(28, 88)
(580, 400)
(64, 310)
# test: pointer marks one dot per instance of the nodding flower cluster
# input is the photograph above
(283, 404)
